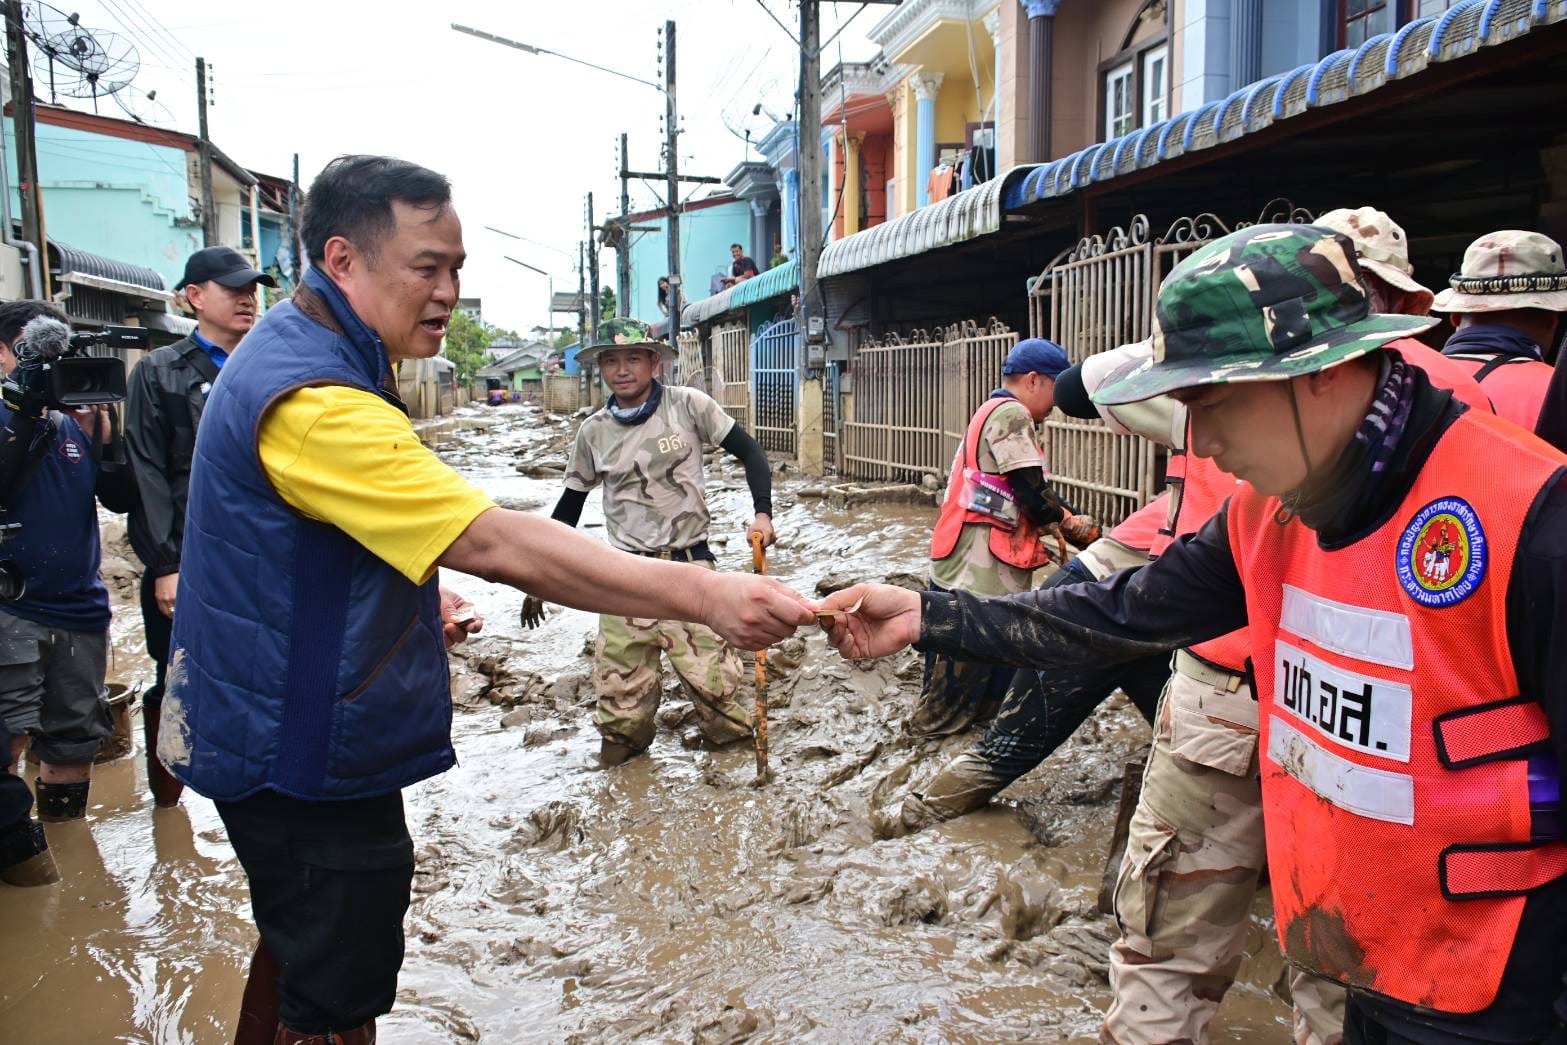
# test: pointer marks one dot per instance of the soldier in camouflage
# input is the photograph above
(645, 446)
(958, 693)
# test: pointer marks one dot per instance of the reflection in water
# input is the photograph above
(663, 899)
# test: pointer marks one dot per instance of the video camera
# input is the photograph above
(59, 370)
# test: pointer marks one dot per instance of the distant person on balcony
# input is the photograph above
(743, 267)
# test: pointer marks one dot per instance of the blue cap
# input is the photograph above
(1035, 355)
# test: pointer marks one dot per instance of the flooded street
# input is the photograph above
(664, 900)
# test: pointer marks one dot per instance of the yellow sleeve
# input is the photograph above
(350, 459)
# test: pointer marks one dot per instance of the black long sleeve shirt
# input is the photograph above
(1194, 592)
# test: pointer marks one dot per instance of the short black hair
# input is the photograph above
(736, 246)
(352, 197)
(14, 315)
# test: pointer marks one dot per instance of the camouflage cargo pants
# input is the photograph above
(1193, 855)
(627, 684)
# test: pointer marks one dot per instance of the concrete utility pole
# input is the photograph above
(26, 143)
(808, 156)
(293, 224)
(593, 275)
(209, 210)
(623, 253)
(672, 174)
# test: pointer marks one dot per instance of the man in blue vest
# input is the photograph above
(308, 681)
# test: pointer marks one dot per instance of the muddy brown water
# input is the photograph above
(664, 900)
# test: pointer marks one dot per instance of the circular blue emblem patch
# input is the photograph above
(1442, 555)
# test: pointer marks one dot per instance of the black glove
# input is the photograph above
(533, 612)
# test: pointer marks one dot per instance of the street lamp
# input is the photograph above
(549, 312)
(530, 49)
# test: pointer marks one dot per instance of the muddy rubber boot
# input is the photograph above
(60, 802)
(364, 1035)
(25, 859)
(258, 1020)
(613, 753)
(166, 788)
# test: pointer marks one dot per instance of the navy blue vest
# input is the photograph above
(301, 662)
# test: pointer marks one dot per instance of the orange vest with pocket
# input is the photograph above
(1393, 734)
(1018, 545)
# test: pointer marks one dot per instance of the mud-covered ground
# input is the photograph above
(663, 900)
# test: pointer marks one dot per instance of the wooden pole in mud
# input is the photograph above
(759, 561)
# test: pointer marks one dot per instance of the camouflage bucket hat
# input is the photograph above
(1381, 246)
(1506, 270)
(1266, 303)
(623, 332)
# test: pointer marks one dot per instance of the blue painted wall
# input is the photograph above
(705, 236)
(126, 200)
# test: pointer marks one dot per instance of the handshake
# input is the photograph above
(753, 612)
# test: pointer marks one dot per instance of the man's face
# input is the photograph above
(628, 371)
(228, 310)
(407, 290)
(1247, 428)
(736, 253)
(7, 360)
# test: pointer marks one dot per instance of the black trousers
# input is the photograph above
(159, 631)
(329, 886)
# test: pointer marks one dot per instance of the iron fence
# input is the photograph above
(775, 384)
(732, 357)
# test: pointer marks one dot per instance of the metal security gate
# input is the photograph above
(1099, 296)
(732, 357)
(688, 368)
(775, 384)
(832, 416)
(913, 398)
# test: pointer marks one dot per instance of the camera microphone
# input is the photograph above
(44, 339)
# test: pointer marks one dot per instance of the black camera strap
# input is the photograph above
(24, 440)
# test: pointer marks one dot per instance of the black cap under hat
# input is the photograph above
(224, 264)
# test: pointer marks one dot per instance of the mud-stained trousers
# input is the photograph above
(626, 679)
(1193, 855)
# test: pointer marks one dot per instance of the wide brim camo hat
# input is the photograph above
(1382, 249)
(1507, 270)
(622, 332)
(1267, 303)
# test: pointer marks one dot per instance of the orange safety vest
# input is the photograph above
(1515, 385)
(1018, 546)
(1393, 734)
(1445, 372)
(1140, 530)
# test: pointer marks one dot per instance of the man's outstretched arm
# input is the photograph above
(558, 564)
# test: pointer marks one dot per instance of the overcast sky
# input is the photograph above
(523, 137)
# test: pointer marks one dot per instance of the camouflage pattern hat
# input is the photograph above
(1382, 248)
(1266, 303)
(1506, 270)
(624, 332)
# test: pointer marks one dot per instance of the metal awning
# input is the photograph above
(775, 282)
(968, 215)
(1465, 28)
(94, 271)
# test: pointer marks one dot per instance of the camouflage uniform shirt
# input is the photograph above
(655, 496)
(1008, 440)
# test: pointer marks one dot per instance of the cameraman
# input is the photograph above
(167, 394)
(54, 638)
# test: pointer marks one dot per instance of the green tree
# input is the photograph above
(466, 340)
(567, 336)
(607, 303)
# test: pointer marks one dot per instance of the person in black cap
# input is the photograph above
(168, 390)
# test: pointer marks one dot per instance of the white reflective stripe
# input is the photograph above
(1374, 793)
(1359, 711)
(1355, 631)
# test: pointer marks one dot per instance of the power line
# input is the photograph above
(137, 4)
(136, 31)
(763, 5)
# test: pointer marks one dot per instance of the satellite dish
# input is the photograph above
(78, 62)
(144, 107)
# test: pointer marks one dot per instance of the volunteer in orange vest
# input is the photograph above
(1507, 303)
(992, 531)
(1399, 591)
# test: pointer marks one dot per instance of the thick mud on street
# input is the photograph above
(664, 900)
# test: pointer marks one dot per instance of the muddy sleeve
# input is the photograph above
(1191, 593)
(758, 475)
(569, 508)
(1036, 497)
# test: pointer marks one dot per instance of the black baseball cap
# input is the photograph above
(224, 264)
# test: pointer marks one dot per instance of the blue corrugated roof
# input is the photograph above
(1463, 29)
(775, 282)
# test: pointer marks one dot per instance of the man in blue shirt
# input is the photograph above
(167, 394)
(54, 638)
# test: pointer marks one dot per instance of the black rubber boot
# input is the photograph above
(166, 788)
(25, 859)
(57, 802)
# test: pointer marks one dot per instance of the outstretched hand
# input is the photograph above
(458, 618)
(751, 612)
(534, 610)
(888, 619)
